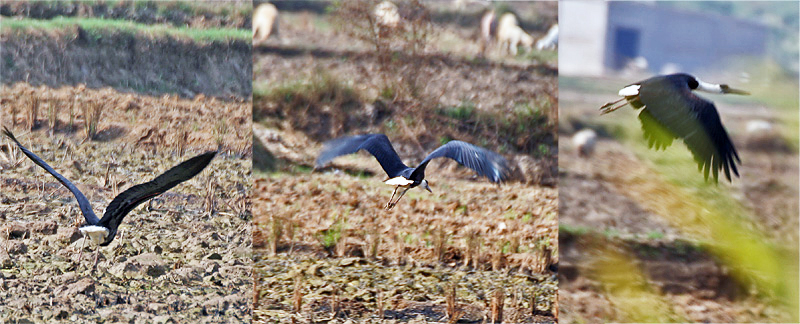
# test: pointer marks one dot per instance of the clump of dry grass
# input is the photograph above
(52, 114)
(275, 232)
(498, 297)
(220, 131)
(71, 123)
(182, 140)
(373, 240)
(92, 110)
(33, 110)
(473, 248)
(297, 298)
(451, 309)
(256, 287)
(209, 203)
(439, 243)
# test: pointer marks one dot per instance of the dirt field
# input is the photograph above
(601, 206)
(325, 247)
(185, 257)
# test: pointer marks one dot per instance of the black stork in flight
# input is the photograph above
(484, 162)
(103, 230)
(672, 110)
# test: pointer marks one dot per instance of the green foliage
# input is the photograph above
(464, 111)
(330, 237)
(573, 230)
(655, 235)
(388, 92)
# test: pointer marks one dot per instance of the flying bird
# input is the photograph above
(486, 163)
(103, 230)
(672, 110)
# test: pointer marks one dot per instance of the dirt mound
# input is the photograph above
(126, 62)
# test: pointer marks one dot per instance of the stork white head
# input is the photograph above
(424, 184)
(718, 88)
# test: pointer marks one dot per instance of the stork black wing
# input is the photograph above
(673, 111)
(83, 203)
(486, 163)
(376, 144)
(129, 199)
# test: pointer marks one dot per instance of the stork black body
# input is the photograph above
(672, 110)
(484, 162)
(103, 230)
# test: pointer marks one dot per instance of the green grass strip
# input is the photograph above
(97, 27)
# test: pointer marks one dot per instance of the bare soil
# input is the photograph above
(325, 247)
(185, 257)
(697, 285)
(472, 235)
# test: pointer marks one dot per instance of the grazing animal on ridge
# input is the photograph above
(387, 14)
(584, 142)
(484, 162)
(488, 29)
(510, 36)
(550, 40)
(265, 22)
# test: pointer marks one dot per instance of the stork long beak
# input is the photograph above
(427, 187)
(727, 89)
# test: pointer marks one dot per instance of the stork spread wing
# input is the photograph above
(376, 144)
(486, 163)
(678, 113)
(129, 199)
(83, 203)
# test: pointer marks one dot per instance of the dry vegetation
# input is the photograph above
(326, 249)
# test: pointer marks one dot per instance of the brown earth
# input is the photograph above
(184, 257)
(327, 250)
(602, 213)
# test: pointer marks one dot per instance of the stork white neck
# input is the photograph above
(708, 87)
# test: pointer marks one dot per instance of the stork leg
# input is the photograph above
(96, 254)
(391, 204)
(80, 254)
(609, 107)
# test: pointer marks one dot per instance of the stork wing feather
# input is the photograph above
(376, 144)
(129, 199)
(484, 162)
(682, 114)
(83, 203)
